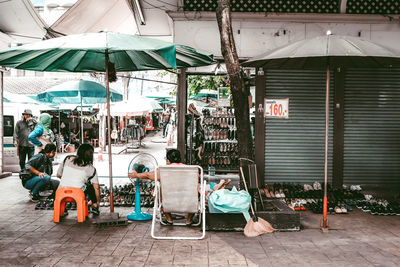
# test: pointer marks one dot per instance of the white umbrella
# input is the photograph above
(138, 106)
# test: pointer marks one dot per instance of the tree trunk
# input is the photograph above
(239, 91)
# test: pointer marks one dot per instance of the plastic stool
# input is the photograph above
(70, 194)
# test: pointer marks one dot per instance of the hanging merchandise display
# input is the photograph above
(212, 141)
(220, 149)
(134, 131)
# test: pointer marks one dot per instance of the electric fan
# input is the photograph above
(142, 162)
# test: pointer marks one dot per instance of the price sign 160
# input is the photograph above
(277, 108)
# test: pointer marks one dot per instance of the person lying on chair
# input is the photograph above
(78, 171)
(173, 158)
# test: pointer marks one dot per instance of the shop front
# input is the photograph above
(364, 119)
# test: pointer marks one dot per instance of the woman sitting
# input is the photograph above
(78, 171)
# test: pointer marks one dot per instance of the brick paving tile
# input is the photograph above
(258, 262)
(44, 262)
(104, 260)
(29, 237)
(160, 259)
(217, 261)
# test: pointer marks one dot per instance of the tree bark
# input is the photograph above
(239, 91)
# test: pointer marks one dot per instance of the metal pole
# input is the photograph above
(109, 137)
(81, 120)
(59, 123)
(141, 86)
(181, 105)
(325, 209)
(1, 122)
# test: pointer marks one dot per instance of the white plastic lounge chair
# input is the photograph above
(179, 188)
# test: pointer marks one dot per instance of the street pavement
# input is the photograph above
(28, 237)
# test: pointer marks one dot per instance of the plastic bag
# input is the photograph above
(229, 201)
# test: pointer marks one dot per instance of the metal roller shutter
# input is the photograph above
(372, 127)
(294, 147)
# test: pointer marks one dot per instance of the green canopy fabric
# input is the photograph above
(73, 92)
(86, 53)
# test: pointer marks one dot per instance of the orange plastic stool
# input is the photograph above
(70, 194)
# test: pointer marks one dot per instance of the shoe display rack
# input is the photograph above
(218, 144)
(220, 148)
(124, 195)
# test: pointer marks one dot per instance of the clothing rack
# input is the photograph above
(136, 133)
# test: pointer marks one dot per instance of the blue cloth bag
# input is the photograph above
(229, 201)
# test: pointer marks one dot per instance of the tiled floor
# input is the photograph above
(30, 238)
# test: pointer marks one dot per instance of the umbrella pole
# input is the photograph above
(81, 120)
(325, 208)
(59, 123)
(109, 137)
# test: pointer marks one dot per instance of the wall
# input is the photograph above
(256, 37)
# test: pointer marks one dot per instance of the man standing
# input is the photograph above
(21, 132)
(165, 120)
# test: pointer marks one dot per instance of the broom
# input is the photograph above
(255, 226)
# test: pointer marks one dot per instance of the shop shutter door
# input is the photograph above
(372, 127)
(294, 147)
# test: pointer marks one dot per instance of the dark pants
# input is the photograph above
(23, 152)
(164, 128)
(90, 193)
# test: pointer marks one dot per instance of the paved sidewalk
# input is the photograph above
(29, 237)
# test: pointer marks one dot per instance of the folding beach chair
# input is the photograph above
(178, 192)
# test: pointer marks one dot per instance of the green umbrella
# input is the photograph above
(78, 92)
(92, 52)
(87, 53)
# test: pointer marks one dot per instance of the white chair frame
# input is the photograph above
(157, 206)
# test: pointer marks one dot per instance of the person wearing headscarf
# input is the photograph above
(42, 134)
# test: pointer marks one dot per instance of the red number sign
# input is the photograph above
(277, 108)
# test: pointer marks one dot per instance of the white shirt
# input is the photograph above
(76, 176)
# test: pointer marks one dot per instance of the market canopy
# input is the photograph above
(137, 106)
(17, 98)
(77, 92)
(332, 50)
(87, 53)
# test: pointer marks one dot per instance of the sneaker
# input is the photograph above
(316, 186)
(94, 211)
(338, 210)
(368, 197)
(164, 221)
(34, 198)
